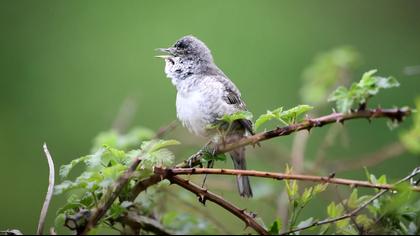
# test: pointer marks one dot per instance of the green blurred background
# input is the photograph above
(66, 68)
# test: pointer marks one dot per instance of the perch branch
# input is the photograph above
(278, 176)
(357, 210)
(48, 197)
(394, 114)
(204, 195)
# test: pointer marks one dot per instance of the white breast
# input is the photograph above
(190, 112)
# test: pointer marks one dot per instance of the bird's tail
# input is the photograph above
(239, 162)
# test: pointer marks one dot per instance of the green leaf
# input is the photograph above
(162, 144)
(60, 220)
(268, 116)
(275, 227)
(241, 115)
(353, 201)
(286, 117)
(360, 92)
(307, 195)
(319, 188)
(65, 169)
(290, 116)
(292, 188)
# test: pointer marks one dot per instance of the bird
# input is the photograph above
(204, 95)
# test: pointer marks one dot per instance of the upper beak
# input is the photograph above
(165, 50)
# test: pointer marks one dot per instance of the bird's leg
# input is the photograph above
(197, 156)
(210, 164)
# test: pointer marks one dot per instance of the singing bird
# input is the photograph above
(204, 95)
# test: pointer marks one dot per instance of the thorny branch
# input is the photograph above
(357, 210)
(394, 114)
(278, 176)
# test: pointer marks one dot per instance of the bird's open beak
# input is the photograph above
(165, 50)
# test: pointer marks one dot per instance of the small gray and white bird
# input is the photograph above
(205, 94)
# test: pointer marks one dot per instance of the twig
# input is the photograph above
(142, 185)
(166, 129)
(204, 194)
(278, 176)
(357, 210)
(125, 114)
(50, 191)
(113, 193)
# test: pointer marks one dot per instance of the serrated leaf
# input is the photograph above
(65, 169)
(162, 144)
(269, 115)
(353, 202)
(241, 115)
(360, 92)
(291, 115)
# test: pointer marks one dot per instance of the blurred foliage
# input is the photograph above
(411, 138)
(359, 93)
(327, 71)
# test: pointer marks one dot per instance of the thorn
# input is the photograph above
(202, 199)
(331, 175)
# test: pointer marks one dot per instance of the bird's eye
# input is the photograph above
(181, 45)
(171, 61)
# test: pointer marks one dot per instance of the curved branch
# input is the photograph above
(278, 176)
(50, 191)
(204, 195)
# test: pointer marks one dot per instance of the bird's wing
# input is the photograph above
(233, 98)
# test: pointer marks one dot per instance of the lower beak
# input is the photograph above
(164, 56)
